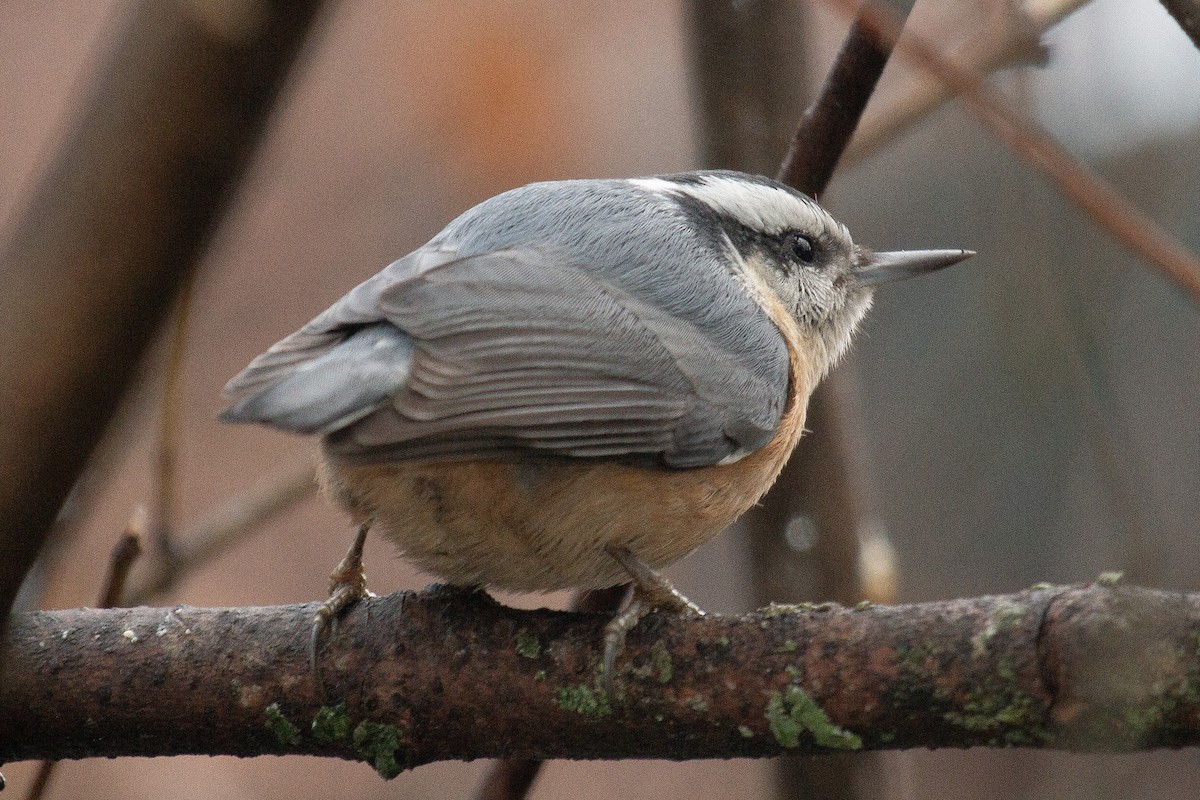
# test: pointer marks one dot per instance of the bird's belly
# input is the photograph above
(545, 525)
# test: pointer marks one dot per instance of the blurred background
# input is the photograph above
(1031, 415)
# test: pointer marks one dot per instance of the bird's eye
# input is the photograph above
(802, 248)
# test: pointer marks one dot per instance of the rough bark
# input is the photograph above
(443, 675)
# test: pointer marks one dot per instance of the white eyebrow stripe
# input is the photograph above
(757, 206)
(657, 185)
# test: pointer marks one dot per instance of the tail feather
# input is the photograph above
(342, 385)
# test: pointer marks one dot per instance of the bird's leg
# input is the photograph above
(347, 585)
(650, 591)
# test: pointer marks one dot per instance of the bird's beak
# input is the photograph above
(879, 268)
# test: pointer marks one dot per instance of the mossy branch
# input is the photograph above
(442, 675)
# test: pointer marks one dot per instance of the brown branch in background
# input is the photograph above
(419, 678)
(749, 73)
(124, 553)
(170, 429)
(1187, 14)
(509, 779)
(116, 223)
(827, 125)
(1011, 38)
(59, 541)
(1107, 207)
(241, 516)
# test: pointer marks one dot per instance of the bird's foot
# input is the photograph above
(651, 591)
(347, 585)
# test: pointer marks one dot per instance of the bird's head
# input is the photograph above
(788, 249)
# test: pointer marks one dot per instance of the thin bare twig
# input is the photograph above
(1187, 14)
(124, 553)
(1093, 195)
(170, 429)
(827, 125)
(1012, 39)
(241, 516)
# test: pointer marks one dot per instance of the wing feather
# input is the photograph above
(521, 349)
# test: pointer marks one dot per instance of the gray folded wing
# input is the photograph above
(442, 356)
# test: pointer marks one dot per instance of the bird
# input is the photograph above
(575, 383)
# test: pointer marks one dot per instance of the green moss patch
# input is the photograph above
(584, 700)
(378, 744)
(792, 712)
(331, 724)
(660, 657)
(528, 644)
(283, 728)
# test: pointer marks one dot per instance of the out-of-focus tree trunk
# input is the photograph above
(118, 220)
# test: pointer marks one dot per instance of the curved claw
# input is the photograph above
(347, 585)
(615, 632)
(651, 591)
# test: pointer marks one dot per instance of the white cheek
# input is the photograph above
(816, 298)
(839, 334)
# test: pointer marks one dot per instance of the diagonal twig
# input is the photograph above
(1092, 194)
(170, 430)
(827, 125)
(241, 516)
(1011, 39)
(1187, 14)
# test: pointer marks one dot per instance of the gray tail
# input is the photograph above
(335, 389)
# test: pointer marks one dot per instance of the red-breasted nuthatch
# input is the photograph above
(575, 383)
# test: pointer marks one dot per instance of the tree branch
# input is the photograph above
(242, 515)
(1094, 196)
(111, 231)
(1187, 14)
(125, 552)
(447, 675)
(827, 125)
(1009, 38)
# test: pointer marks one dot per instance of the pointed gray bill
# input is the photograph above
(900, 264)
